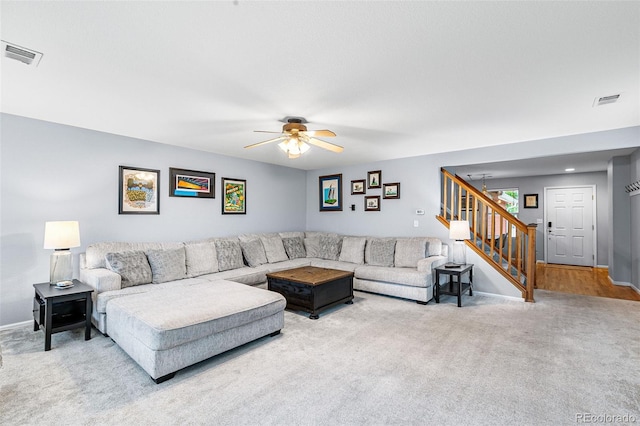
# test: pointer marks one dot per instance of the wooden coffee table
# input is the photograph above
(311, 289)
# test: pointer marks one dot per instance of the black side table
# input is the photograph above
(461, 287)
(62, 309)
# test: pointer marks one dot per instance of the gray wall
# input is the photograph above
(635, 221)
(56, 172)
(619, 208)
(536, 185)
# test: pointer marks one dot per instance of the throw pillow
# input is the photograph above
(132, 266)
(434, 247)
(312, 246)
(330, 247)
(353, 250)
(409, 251)
(380, 251)
(201, 258)
(274, 249)
(167, 264)
(229, 254)
(253, 252)
(294, 247)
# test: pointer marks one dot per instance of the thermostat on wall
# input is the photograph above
(419, 211)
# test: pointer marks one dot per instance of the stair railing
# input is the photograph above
(500, 238)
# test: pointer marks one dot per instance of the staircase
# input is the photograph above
(506, 243)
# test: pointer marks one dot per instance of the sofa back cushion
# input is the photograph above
(352, 250)
(253, 252)
(291, 234)
(380, 251)
(132, 266)
(273, 248)
(167, 265)
(434, 246)
(409, 251)
(95, 253)
(201, 258)
(294, 246)
(312, 246)
(229, 254)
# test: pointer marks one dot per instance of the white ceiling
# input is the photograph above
(392, 79)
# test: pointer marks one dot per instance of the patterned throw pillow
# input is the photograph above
(380, 251)
(132, 266)
(167, 264)
(229, 254)
(353, 250)
(330, 247)
(253, 252)
(294, 247)
(274, 249)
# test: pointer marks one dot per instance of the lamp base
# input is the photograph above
(459, 253)
(61, 267)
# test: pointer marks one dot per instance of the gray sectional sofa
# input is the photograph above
(169, 305)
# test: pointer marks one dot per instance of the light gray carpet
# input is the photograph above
(379, 361)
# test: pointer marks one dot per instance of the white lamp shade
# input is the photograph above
(61, 235)
(459, 230)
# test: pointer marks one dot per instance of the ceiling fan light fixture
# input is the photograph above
(294, 147)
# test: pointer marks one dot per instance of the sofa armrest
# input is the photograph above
(428, 263)
(101, 279)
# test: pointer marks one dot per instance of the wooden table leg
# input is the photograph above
(88, 308)
(459, 290)
(48, 319)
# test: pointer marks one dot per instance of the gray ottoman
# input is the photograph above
(168, 329)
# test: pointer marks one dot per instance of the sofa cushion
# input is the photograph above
(201, 258)
(312, 246)
(404, 276)
(229, 254)
(292, 234)
(132, 266)
(253, 252)
(353, 250)
(95, 254)
(330, 246)
(294, 246)
(167, 265)
(380, 251)
(434, 246)
(274, 248)
(409, 251)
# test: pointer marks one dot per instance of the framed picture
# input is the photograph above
(374, 178)
(358, 187)
(330, 191)
(530, 201)
(138, 192)
(234, 196)
(391, 190)
(191, 183)
(372, 203)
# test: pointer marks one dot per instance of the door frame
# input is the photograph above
(595, 219)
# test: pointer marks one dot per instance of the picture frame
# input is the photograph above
(358, 187)
(330, 192)
(374, 178)
(372, 203)
(191, 183)
(234, 196)
(391, 191)
(138, 190)
(530, 201)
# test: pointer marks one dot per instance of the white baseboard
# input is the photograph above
(500, 296)
(15, 325)
(620, 283)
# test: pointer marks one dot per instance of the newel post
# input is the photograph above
(531, 261)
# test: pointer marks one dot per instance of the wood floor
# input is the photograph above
(581, 280)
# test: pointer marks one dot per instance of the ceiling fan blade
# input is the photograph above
(279, 138)
(323, 144)
(323, 133)
(264, 131)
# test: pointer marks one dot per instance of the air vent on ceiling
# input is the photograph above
(604, 100)
(22, 54)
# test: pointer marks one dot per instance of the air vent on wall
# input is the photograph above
(604, 100)
(22, 54)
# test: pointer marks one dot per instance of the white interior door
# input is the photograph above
(570, 231)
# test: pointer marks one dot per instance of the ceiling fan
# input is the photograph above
(295, 138)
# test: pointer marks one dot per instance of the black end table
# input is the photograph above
(461, 287)
(62, 309)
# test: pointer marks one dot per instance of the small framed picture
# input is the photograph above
(391, 191)
(330, 192)
(358, 187)
(530, 201)
(372, 203)
(191, 183)
(374, 178)
(234, 196)
(138, 192)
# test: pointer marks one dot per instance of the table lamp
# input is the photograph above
(459, 231)
(61, 236)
